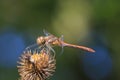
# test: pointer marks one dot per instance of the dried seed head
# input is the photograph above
(36, 66)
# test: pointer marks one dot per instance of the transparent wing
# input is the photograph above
(46, 32)
(62, 46)
(50, 48)
(62, 38)
(35, 47)
(31, 47)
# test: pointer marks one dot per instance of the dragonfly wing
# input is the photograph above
(46, 33)
(31, 47)
(62, 38)
(50, 48)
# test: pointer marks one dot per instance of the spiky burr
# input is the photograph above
(36, 65)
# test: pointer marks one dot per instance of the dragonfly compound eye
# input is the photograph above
(40, 40)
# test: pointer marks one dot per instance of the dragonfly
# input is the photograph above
(50, 40)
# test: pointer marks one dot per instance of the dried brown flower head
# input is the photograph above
(36, 66)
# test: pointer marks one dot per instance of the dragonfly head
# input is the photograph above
(40, 40)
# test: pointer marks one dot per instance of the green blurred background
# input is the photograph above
(93, 23)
